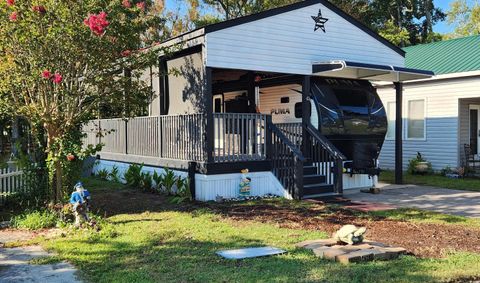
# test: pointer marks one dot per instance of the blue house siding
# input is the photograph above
(445, 101)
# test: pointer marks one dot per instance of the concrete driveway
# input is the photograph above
(456, 202)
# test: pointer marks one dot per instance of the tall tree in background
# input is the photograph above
(403, 22)
(465, 18)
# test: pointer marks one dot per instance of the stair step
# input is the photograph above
(309, 170)
(326, 195)
(319, 188)
(313, 179)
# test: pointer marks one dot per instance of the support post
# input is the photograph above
(306, 109)
(298, 177)
(398, 134)
(338, 176)
(268, 138)
(192, 168)
(210, 127)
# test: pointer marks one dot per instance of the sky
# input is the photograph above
(442, 27)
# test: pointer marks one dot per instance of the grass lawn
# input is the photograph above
(469, 184)
(172, 244)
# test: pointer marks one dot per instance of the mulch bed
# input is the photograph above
(424, 240)
(420, 239)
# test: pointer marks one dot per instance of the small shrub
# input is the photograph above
(103, 174)
(114, 176)
(146, 182)
(35, 220)
(412, 164)
(446, 170)
(182, 193)
(133, 176)
(158, 180)
(168, 181)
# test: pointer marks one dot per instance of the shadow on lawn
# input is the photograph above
(180, 260)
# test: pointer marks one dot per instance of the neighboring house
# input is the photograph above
(284, 93)
(441, 114)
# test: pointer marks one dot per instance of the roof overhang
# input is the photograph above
(356, 70)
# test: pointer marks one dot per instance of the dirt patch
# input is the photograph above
(420, 239)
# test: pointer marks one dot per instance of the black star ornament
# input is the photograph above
(319, 21)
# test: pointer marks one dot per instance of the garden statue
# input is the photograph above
(350, 234)
(80, 200)
(245, 184)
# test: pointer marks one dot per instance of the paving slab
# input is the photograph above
(448, 201)
(15, 267)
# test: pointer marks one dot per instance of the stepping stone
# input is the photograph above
(382, 255)
(357, 256)
(376, 244)
(366, 251)
(319, 252)
(332, 253)
(312, 244)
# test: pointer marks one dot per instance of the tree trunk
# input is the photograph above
(58, 182)
(15, 136)
(55, 170)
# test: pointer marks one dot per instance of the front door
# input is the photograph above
(474, 128)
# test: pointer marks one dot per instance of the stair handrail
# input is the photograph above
(325, 142)
(287, 142)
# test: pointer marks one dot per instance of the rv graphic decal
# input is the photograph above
(319, 21)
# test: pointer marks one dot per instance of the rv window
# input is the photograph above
(352, 101)
(285, 99)
(298, 110)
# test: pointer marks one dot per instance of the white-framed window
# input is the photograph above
(391, 114)
(416, 119)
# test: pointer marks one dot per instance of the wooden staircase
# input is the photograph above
(318, 175)
(314, 184)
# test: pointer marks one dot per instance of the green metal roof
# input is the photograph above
(444, 57)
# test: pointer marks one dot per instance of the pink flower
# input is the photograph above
(57, 78)
(13, 16)
(10, 2)
(46, 74)
(141, 6)
(97, 23)
(39, 9)
(126, 53)
(126, 4)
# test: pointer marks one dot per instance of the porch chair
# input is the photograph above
(470, 159)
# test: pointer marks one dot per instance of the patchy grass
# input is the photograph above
(468, 184)
(45, 260)
(35, 220)
(178, 244)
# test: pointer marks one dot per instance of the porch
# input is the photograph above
(240, 140)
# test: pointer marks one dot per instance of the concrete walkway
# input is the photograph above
(456, 202)
(15, 263)
(15, 267)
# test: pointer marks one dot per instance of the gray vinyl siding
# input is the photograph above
(287, 43)
(446, 129)
(185, 83)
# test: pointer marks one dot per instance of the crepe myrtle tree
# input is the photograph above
(65, 58)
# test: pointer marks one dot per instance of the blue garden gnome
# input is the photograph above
(80, 200)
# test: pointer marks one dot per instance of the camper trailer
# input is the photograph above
(280, 93)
